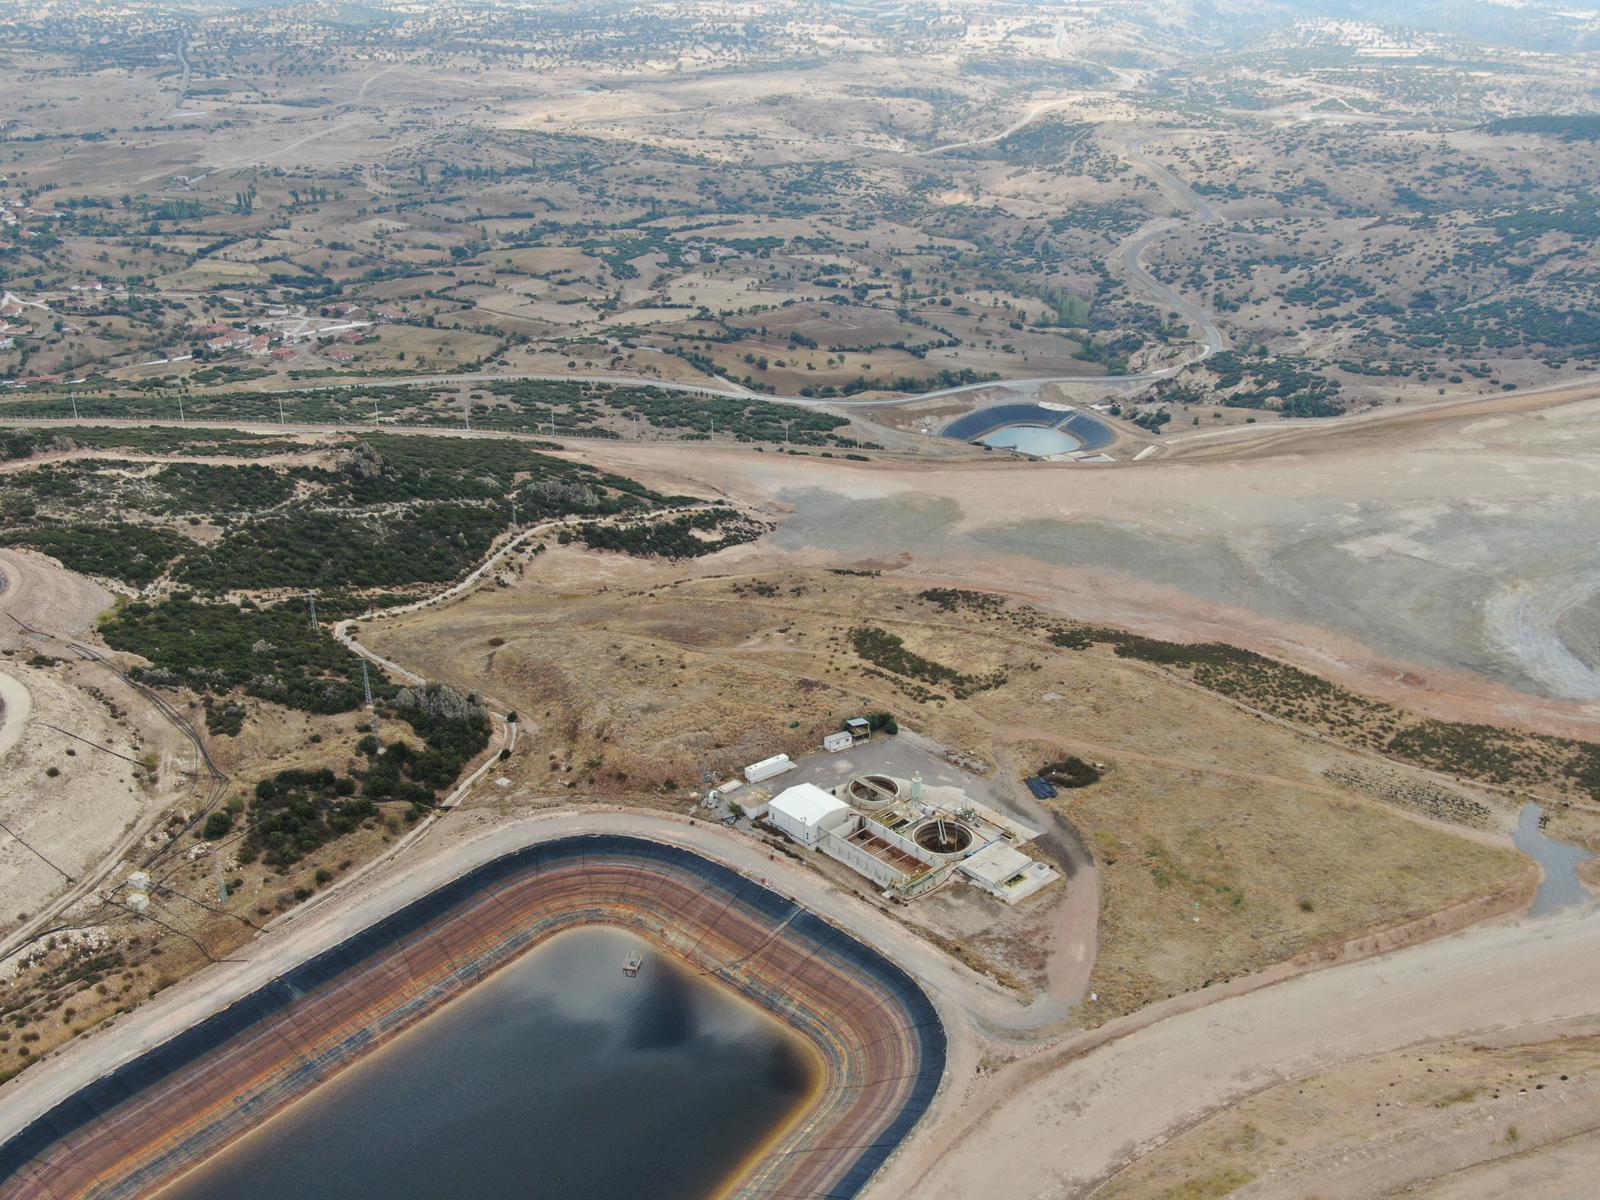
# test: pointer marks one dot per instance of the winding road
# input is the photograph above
(1055, 1123)
(1129, 254)
(1125, 260)
(1060, 1119)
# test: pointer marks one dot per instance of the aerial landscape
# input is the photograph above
(800, 598)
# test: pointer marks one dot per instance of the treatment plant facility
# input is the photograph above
(903, 836)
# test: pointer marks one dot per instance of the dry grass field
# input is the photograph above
(1222, 845)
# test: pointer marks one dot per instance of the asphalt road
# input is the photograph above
(1129, 253)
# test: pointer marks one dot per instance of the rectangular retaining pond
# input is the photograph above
(481, 1041)
(559, 1077)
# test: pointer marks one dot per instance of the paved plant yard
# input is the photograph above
(901, 757)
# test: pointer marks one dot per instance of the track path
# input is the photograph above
(1064, 1120)
(16, 705)
(1129, 254)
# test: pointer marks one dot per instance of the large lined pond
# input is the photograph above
(559, 1078)
(1037, 440)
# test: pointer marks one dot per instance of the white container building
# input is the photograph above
(835, 742)
(767, 768)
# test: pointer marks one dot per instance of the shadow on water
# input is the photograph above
(666, 1018)
(559, 1077)
(1560, 888)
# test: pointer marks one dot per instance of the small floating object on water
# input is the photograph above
(630, 968)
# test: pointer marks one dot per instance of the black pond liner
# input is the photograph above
(1092, 434)
(99, 1099)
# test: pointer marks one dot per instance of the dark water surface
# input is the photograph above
(559, 1078)
(1561, 887)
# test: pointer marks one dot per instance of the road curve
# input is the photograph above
(1130, 251)
(1061, 1121)
(1126, 256)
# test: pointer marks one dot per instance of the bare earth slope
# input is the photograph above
(1059, 1125)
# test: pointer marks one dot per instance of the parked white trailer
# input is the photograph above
(767, 768)
(835, 742)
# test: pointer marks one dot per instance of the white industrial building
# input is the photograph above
(805, 812)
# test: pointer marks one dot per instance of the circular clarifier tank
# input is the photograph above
(868, 792)
(942, 837)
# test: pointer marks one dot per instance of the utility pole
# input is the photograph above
(74, 406)
(513, 512)
(366, 687)
(181, 419)
(281, 420)
(311, 599)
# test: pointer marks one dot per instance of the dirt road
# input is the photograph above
(1061, 1122)
(1129, 253)
(15, 706)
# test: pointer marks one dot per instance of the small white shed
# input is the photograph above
(835, 742)
(805, 812)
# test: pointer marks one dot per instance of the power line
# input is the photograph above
(36, 853)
